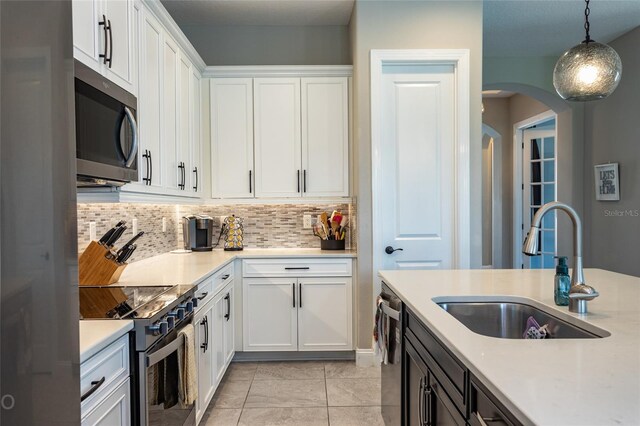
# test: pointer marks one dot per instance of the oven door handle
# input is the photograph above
(134, 129)
(390, 312)
(165, 351)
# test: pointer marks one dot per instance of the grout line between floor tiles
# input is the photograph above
(326, 393)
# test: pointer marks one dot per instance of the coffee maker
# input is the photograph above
(197, 232)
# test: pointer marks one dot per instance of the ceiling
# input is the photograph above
(511, 27)
(260, 12)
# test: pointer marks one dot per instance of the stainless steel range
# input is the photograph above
(158, 314)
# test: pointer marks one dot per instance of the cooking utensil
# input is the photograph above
(110, 232)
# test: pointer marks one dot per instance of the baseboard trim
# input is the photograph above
(294, 356)
(365, 358)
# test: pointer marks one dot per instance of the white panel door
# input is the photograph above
(122, 43)
(88, 41)
(232, 138)
(169, 124)
(113, 410)
(324, 314)
(229, 323)
(150, 155)
(277, 137)
(217, 336)
(269, 314)
(184, 122)
(196, 170)
(416, 163)
(325, 137)
(203, 323)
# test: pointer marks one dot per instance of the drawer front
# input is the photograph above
(452, 374)
(113, 410)
(204, 293)
(109, 366)
(222, 277)
(253, 268)
(485, 409)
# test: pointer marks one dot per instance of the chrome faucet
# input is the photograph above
(579, 293)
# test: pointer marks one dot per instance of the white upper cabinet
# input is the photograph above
(196, 133)
(184, 123)
(232, 173)
(169, 124)
(277, 137)
(325, 137)
(104, 39)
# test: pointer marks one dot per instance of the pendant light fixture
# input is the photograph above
(588, 71)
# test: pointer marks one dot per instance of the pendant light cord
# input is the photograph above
(587, 38)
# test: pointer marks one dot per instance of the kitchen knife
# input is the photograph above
(115, 236)
(133, 240)
(128, 253)
(110, 232)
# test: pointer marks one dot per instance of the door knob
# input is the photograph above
(390, 249)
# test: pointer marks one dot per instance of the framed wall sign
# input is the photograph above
(607, 182)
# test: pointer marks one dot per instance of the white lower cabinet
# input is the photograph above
(214, 322)
(296, 313)
(106, 387)
(203, 321)
(113, 410)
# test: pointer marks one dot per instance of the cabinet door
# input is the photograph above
(122, 42)
(169, 124)
(277, 137)
(325, 137)
(416, 376)
(232, 173)
(150, 155)
(324, 314)
(196, 171)
(269, 314)
(442, 410)
(219, 311)
(88, 36)
(229, 324)
(203, 323)
(113, 410)
(184, 121)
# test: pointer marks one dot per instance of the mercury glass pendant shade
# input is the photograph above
(587, 72)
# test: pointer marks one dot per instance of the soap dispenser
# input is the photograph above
(562, 282)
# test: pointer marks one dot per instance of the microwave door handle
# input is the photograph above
(134, 129)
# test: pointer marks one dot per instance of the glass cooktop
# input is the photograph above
(120, 302)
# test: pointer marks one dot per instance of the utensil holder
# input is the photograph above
(96, 269)
(332, 244)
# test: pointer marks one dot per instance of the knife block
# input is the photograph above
(96, 269)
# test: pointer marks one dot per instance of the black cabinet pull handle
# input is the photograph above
(293, 290)
(296, 268)
(225, 276)
(300, 295)
(146, 156)
(390, 250)
(250, 188)
(298, 179)
(184, 176)
(427, 395)
(203, 345)
(203, 295)
(110, 60)
(228, 314)
(304, 179)
(103, 24)
(421, 402)
(94, 387)
(150, 168)
(195, 170)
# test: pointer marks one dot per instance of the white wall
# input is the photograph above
(271, 45)
(407, 25)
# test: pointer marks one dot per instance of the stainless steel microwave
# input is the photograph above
(106, 131)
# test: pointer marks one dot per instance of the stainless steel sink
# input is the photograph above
(507, 320)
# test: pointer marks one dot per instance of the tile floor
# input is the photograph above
(333, 393)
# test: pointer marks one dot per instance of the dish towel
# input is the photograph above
(187, 375)
(379, 332)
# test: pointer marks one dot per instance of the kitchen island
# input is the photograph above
(555, 381)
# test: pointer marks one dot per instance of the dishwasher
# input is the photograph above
(391, 368)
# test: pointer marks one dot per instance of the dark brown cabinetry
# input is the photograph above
(438, 389)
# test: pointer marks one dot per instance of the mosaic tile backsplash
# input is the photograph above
(265, 225)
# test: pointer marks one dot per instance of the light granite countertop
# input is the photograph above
(96, 335)
(546, 382)
(191, 268)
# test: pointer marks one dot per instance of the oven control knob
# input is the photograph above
(171, 322)
(194, 304)
(178, 313)
(159, 328)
